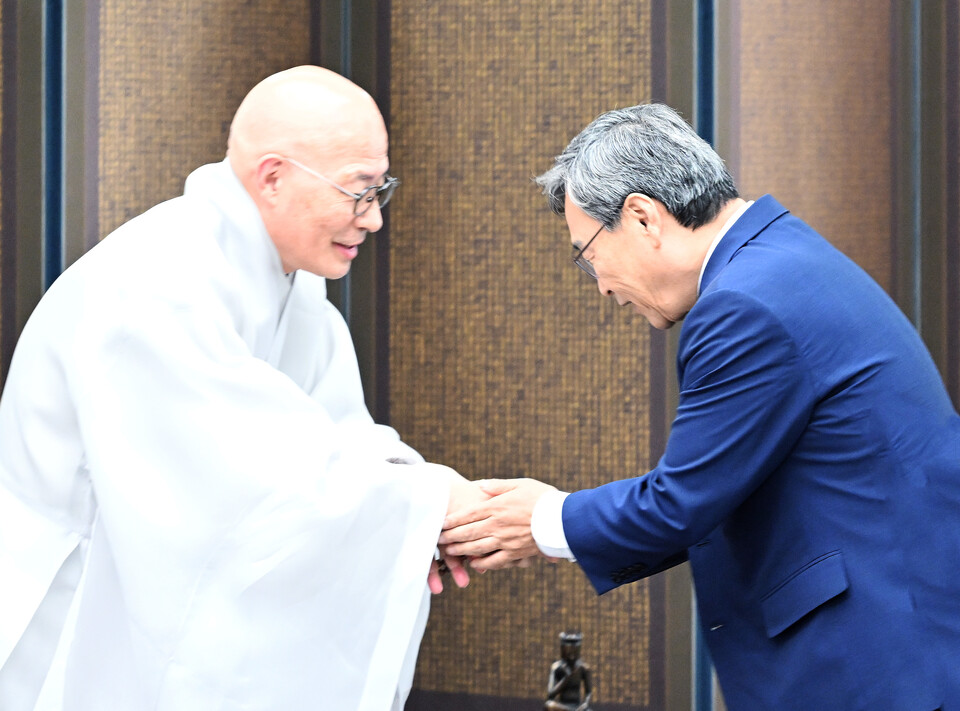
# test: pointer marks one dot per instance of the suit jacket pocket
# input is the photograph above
(822, 579)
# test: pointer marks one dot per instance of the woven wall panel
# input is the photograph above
(172, 73)
(815, 112)
(505, 360)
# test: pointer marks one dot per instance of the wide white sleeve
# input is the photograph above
(319, 355)
(255, 552)
(39, 569)
(46, 512)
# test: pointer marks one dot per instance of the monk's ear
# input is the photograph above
(268, 177)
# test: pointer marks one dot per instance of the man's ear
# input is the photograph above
(643, 213)
(268, 177)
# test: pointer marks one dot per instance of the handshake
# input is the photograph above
(487, 527)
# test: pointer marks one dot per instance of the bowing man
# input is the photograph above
(812, 473)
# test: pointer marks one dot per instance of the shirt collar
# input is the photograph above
(716, 240)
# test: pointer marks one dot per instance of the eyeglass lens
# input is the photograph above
(380, 193)
(582, 261)
(585, 265)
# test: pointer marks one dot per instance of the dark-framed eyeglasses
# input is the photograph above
(364, 199)
(582, 261)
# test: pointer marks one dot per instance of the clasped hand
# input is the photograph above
(493, 531)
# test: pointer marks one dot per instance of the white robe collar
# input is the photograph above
(248, 248)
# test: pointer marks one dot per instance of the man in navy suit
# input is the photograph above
(812, 475)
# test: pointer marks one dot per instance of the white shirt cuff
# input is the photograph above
(546, 525)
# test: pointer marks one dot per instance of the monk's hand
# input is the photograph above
(442, 566)
(495, 533)
(463, 493)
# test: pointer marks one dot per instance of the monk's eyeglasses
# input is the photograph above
(582, 261)
(364, 199)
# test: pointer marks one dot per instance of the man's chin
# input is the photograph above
(659, 322)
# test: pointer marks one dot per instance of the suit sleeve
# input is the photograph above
(745, 399)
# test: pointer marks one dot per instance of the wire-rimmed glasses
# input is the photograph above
(364, 199)
(582, 261)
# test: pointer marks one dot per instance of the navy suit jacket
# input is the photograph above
(812, 478)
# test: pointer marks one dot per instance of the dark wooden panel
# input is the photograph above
(444, 701)
(952, 111)
(7, 258)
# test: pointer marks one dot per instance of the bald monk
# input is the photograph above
(196, 509)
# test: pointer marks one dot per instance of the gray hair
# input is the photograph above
(646, 149)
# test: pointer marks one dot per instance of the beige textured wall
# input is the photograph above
(505, 361)
(171, 75)
(815, 109)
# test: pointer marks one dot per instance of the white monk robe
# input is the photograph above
(196, 511)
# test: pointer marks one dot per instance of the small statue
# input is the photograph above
(567, 675)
